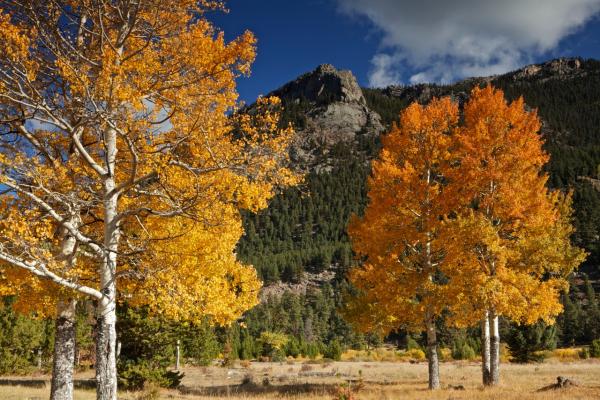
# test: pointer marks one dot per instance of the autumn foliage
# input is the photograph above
(401, 229)
(460, 222)
(513, 233)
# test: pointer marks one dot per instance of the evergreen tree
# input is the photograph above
(526, 343)
(592, 313)
(570, 321)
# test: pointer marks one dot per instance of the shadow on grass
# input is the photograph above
(256, 389)
(42, 383)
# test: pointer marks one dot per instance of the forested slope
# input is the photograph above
(303, 232)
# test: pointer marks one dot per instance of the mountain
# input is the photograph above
(299, 245)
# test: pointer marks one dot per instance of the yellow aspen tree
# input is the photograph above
(401, 282)
(118, 146)
(512, 235)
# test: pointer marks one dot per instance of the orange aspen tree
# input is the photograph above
(117, 147)
(401, 283)
(512, 235)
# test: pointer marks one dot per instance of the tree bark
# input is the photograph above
(485, 349)
(106, 340)
(64, 351)
(432, 356)
(494, 349)
(64, 339)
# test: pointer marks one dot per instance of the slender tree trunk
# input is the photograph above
(494, 349)
(64, 339)
(64, 351)
(106, 333)
(485, 349)
(432, 356)
(106, 341)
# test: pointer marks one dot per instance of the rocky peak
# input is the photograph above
(332, 111)
(323, 85)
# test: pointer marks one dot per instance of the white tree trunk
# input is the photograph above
(485, 349)
(64, 351)
(494, 349)
(432, 356)
(106, 342)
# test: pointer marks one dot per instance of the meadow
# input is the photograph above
(358, 380)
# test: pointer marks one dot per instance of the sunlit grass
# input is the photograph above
(382, 380)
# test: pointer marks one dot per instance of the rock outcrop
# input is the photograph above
(334, 112)
(554, 69)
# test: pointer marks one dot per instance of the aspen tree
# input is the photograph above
(117, 135)
(401, 283)
(515, 250)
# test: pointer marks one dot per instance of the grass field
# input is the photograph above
(381, 380)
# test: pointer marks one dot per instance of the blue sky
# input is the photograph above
(407, 41)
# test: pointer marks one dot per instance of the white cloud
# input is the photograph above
(384, 72)
(443, 40)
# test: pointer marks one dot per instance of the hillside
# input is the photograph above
(338, 125)
(299, 244)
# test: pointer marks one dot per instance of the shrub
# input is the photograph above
(150, 392)
(595, 348)
(273, 345)
(306, 368)
(461, 350)
(345, 392)
(228, 355)
(584, 353)
(416, 354)
(566, 354)
(445, 354)
(135, 376)
(248, 379)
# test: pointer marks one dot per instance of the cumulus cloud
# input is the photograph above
(443, 40)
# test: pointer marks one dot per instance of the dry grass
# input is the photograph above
(385, 354)
(383, 381)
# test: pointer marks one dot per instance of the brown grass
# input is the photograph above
(383, 381)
